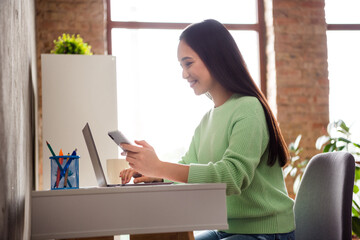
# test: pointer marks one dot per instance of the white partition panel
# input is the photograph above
(77, 89)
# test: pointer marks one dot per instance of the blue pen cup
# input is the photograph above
(64, 172)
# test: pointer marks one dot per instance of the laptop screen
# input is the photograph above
(99, 173)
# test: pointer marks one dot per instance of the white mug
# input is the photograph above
(114, 167)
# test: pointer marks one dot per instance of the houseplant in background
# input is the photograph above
(297, 165)
(67, 44)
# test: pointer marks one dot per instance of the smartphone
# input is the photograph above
(118, 137)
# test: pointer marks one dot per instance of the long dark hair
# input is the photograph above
(220, 54)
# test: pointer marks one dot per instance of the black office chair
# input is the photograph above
(323, 202)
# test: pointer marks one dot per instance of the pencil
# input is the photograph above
(50, 148)
(66, 168)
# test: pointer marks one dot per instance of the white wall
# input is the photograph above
(77, 89)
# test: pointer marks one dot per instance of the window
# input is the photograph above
(343, 38)
(154, 102)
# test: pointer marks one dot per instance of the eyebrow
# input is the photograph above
(185, 58)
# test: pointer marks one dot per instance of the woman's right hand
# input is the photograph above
(128, 173)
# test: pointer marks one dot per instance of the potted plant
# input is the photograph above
(67, 44)
(296, 167)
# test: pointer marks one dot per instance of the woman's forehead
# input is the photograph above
(185, 51)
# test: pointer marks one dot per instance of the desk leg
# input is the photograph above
(164, 236)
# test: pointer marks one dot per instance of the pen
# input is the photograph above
(58, 170)
(67, 172)
(68, 162)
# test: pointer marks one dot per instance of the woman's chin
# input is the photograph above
(199, 92)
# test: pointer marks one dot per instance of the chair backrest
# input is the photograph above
(324, 201)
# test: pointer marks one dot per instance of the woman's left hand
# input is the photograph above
(143, 158)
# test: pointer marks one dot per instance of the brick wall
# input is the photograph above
(297, 69)
(55, 17)
(300, 61)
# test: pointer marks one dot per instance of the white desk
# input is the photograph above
(96, 212)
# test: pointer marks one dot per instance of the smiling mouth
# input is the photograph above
(192, 83)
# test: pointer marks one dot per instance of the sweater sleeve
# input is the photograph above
(248, 140)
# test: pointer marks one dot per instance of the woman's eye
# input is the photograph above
(188, 64)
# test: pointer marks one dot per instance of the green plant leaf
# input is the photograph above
(303, 163)
(287, 170)
(298, 151)
(341, 139)
(295, 158)
(357, 173)
(341, 148)
(344, 126)
(330, 126)
(293, 172)
(354, 212)
(296, 184)
(356, 189)
(67, 44)
(326, 148)
(297, 142)
(355, 206)
(321, 141)
(343, 132)
(356, 225)
(332, 148)
(292, 147)
(329, 147)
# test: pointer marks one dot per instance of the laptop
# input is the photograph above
(95, 159)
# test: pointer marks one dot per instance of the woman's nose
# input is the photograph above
(185, 74)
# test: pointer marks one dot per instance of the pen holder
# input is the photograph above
(64, 172)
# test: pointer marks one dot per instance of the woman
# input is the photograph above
(238, 142)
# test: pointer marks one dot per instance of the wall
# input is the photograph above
(55, 17)
(17, 116)
(297, 70)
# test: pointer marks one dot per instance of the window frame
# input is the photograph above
(346, 27)
(341, 27)
(259, 27)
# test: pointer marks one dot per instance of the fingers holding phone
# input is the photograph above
(141, 156)
(118, 137)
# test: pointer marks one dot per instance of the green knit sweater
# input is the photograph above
(230, 146)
